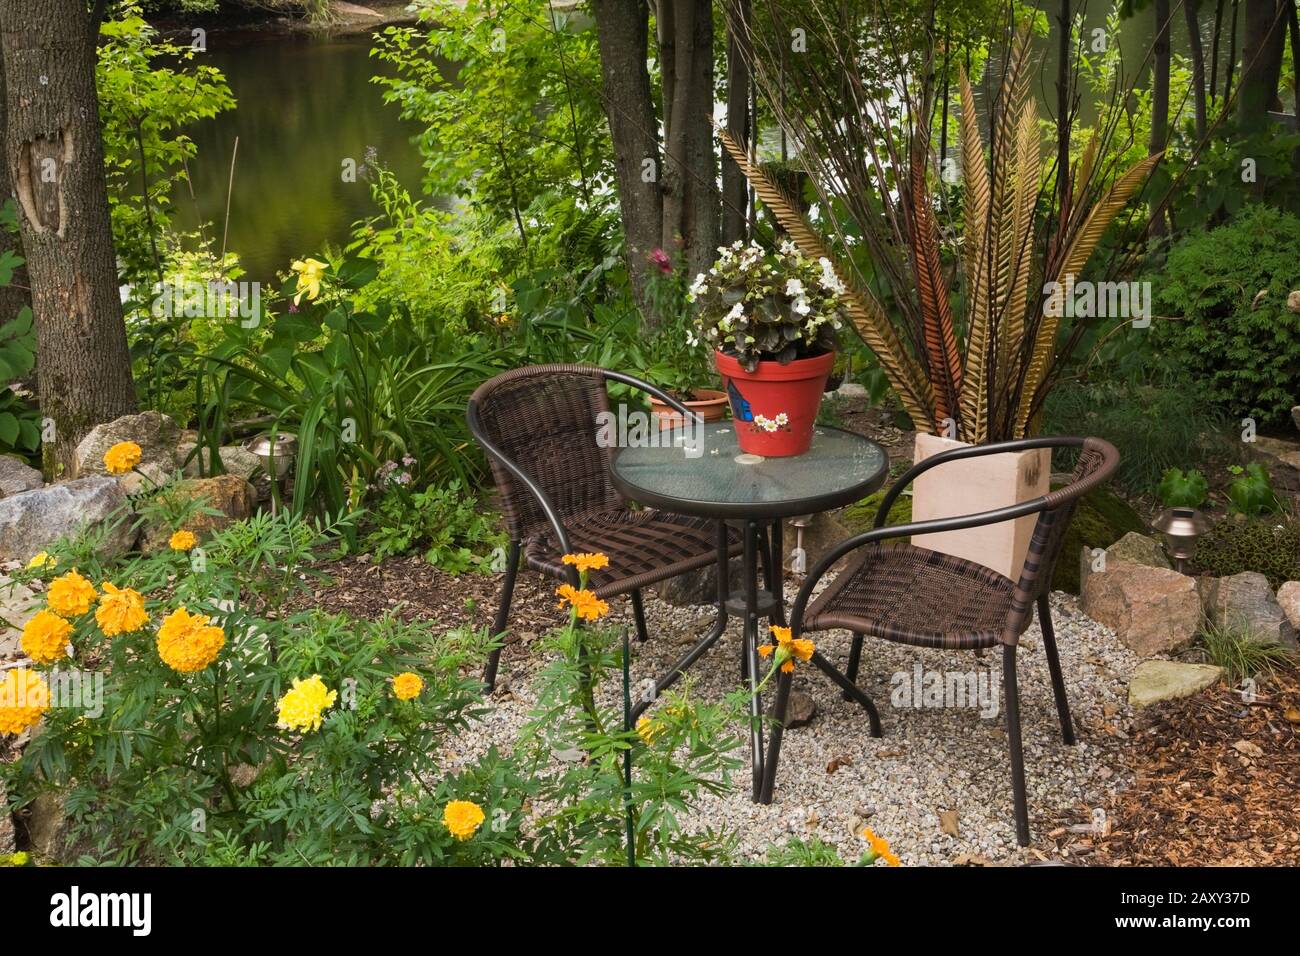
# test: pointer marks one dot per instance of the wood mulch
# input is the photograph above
(1217, 783)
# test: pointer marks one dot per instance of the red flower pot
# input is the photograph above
(775, 406)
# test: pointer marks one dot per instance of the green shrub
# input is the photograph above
(1240, 654)
(1240, 351)
(448, 525)
(1270, 547)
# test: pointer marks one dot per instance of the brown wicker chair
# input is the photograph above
(538, 426)
(920, 597)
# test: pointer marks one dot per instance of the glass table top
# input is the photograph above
(711, 477)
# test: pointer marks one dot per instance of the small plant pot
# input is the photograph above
(775, 406)
(709, 403)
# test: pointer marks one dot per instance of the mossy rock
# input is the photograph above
(1100, 519)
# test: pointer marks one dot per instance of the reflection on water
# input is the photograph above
(305, 104)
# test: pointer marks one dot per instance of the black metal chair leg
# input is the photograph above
(638, 614)
(855, 655)
(503, 615)
(1013, 742)
(851, 691)
(1054, 666)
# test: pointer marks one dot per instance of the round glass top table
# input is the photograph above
(701, 471)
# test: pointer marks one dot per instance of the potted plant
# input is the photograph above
(674, 360)
(771, 319)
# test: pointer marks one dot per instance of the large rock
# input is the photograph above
(235, 460)
(32, 521)
(17, 476)
(1245, 601)
(1154, 681)
(1133, 547)
(231, 496)
(1288, 596)
(699, 587)
(1152, 610)
(6, 823)
(47, 827)
(155, 433)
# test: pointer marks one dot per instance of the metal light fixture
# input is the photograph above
(1181, 528)
(276, 451)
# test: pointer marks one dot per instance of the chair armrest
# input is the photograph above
(644, 386)
(553, 516)
(956, 523)
(969, 451)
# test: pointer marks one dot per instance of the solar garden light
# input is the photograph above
(1181, 528)
(276, 452)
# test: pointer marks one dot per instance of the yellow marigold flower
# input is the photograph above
(122, 457)
(70, 595)
(120, 611)
(303, 706)
(309, 272)
(188, 642)
(24, 696)
(407, 686)
(45, 637)
(587, 560)
(182, 540)
(588, 606)
(462, 818)
(648, 729)
(40, 561)
(879, 848)
(788, 649)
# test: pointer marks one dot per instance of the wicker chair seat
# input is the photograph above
(915, 596)
(644, 547)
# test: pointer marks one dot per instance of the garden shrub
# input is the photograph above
(1270, 547)
(447, 524)
(1238, 349)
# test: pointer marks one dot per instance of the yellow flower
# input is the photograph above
(587, 561)
(303, 707)
(187, 642)
(182, 540)
(122, 457)
(309, 272)
(588, 606)
(120, 611)
(462, 818)
(879, 848)
(648, 729)
(70, 595)
(24, 696)
(40, 561)
(407, 686)
(45, 637)
(788, 649)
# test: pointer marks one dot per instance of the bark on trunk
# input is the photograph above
(54, 154)
(14, 295)
(702, 210)
(1190, 13)
(622, 28)
(1160, 96)
(1261, 61)
(735, 192)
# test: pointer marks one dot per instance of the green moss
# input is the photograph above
(861, 515)
(1100, 519)
(1270, 547)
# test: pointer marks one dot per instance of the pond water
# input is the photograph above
(306, 103)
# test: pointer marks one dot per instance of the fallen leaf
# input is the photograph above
(948, 822)
(839, 762)
(1247, 748)
(1293, 714)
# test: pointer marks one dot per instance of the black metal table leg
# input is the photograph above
(750, 651)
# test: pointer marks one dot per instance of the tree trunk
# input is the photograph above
(14, 295)
(1261, 61)
(1160, 96)
(702, 209)
(1063, 110)
(735, 191)
(1232, 57)
(55, 157)
(1190, 11)
(622, 28)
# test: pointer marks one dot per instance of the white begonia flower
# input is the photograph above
(737, 312)
(793, 288)
(829, 280)
(801, 306)
(699, 285)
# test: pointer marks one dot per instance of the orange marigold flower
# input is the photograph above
(587, 605)
(879, 848)
(24, 696)
(462, 818)
(122, 457)
(788, 649)
(70, 595)
(45, 637)
(648, 729)
(587, 560)
(187, 642)
(120, 611)
(182, 540)
(407, 686)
